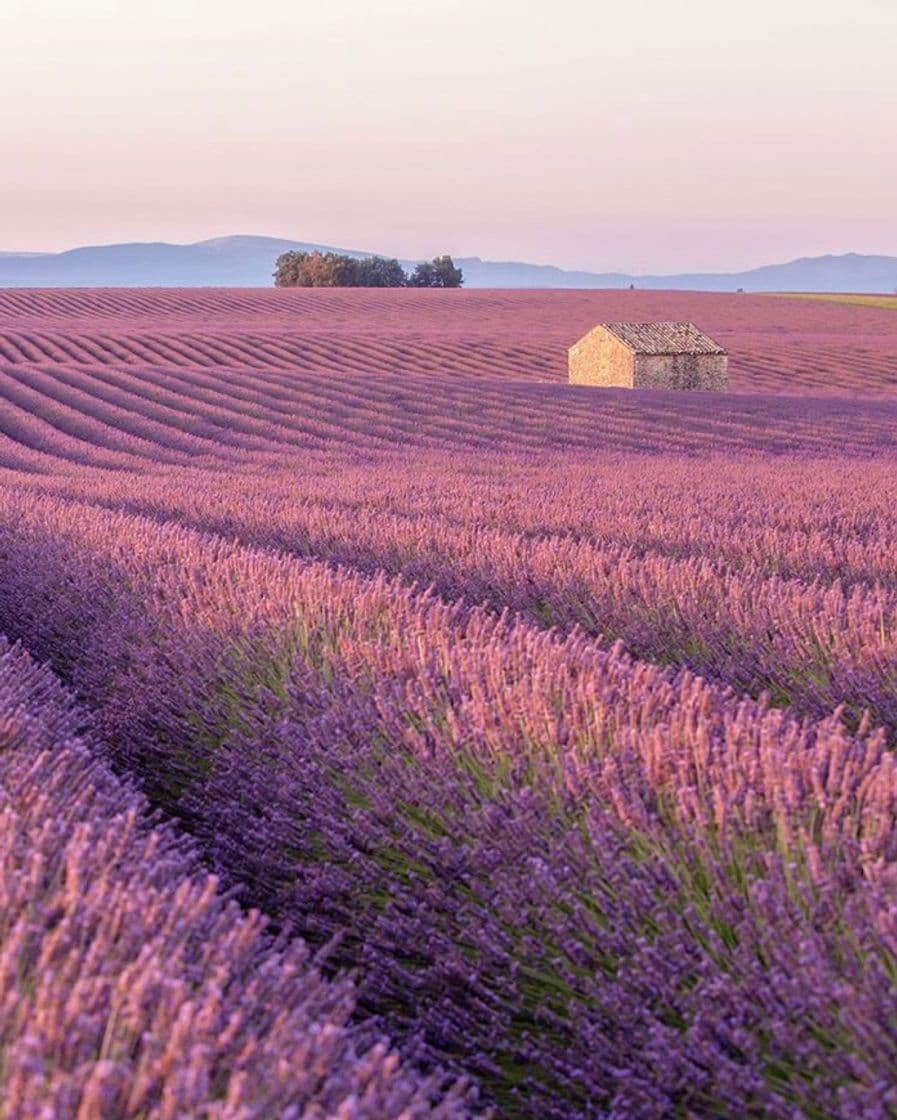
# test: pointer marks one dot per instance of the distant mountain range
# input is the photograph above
(247, 261)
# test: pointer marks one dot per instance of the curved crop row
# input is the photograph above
(804, 608)
(130, 987)
(364, 356)
(159, 415)
(776, 345)
(816, 520)
(601, 888)
(796, 369)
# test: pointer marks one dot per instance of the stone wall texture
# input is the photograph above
(681, 371)
(601, 359)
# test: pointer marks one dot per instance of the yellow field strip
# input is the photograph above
(889, 302)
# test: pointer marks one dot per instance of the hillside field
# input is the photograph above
(888, 302)
(390, 729)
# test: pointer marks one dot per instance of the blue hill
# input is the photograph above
(248, 261)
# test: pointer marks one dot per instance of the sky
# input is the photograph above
(642, 135)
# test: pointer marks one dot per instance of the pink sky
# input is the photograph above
(646, 135)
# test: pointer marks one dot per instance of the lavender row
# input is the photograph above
(130, 986)
(600, 888)
(804, 608)
(122, 409)
(816, 521)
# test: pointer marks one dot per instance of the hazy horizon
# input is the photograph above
(650, 139)
(381, 251)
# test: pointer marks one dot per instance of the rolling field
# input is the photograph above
(888, 302)
(777, 345)
(398, 731)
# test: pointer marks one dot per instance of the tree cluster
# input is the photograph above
(336, 270)
(438, 273)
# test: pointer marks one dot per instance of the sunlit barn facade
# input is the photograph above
(648, 356)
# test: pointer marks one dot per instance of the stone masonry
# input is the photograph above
(648, 356)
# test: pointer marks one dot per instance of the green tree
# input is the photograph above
(446, 274)
(315, 270)
(296, 269)
(287, 269)
(328, 270)
(423, 276)
(438, 273)
(378, 272)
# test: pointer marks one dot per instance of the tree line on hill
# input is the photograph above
(337, 270)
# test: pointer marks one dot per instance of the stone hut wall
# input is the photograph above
(681, 371)
(601, 359)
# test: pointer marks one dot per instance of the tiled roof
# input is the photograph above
(664, 338)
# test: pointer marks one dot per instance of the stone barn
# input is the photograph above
(648, 356)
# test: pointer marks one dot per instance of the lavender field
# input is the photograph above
(392, 730)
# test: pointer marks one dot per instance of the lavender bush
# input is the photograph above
(601, 888)
(560, 721)
(704, 568)
(130, 986)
